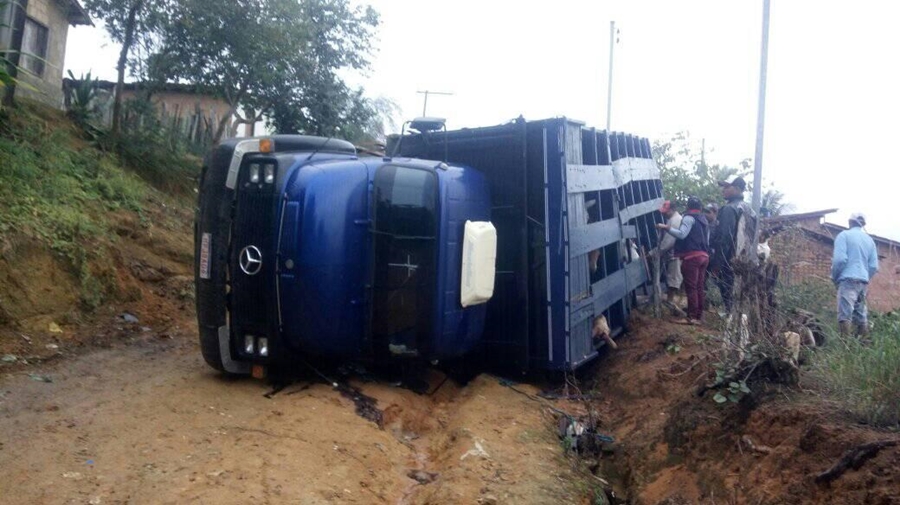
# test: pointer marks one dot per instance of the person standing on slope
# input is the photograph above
(854, 263)
(692, 247)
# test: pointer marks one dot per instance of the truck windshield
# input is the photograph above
(405, 228)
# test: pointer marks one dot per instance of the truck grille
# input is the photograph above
(253, 291)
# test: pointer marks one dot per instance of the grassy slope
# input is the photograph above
(60, 193)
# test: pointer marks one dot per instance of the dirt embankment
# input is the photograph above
(675, 447)
(146, 271)
(148, 422)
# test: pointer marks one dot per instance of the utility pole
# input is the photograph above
(761, 110)
(429, 92)
(760, 120)
(703, 153)
(612, 43)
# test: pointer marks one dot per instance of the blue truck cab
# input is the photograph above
(306, 250)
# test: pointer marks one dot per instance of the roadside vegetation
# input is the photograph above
(58, 187)
(864, 376)
(859, 376)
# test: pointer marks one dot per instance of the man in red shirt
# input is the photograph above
(692, 247)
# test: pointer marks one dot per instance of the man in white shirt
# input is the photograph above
(666, 245)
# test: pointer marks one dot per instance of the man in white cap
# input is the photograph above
(853, 265)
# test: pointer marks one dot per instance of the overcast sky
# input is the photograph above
(833, 88)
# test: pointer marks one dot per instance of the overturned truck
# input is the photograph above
(575, 210)
(512, 241)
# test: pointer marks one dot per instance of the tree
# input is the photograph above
(772, 203)
(365, 122)
(685, 173)
(334, 111)
(128, 22)
(273, 57)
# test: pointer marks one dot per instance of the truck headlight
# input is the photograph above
(270, 174)
(248, 344)
(263, 346)
(254, 173)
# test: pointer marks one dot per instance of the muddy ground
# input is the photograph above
(675, 447)
(149, 423)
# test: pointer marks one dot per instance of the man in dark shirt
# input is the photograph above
(736, 224)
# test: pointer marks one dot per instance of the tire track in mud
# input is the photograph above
(419, 468)
(479, 443)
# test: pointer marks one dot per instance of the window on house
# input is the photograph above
(34, 47)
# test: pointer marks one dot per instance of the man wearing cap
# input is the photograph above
(666, 245)
(853, 265)
(736, 224)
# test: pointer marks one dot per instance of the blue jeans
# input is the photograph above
(851, 297)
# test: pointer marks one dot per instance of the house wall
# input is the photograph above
(5, 24)
(170, 104)
(800, 257)
(803, 258)
(177, 108)
(884, 291)
(48, 88)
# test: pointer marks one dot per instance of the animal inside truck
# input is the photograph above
(511, 241)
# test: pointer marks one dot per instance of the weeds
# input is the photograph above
(150, 147)
(57, 189)
(863, 376)
(812, 295)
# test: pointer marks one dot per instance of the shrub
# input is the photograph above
(156, 152)
(81, 100)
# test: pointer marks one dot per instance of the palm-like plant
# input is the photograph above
(80, 98)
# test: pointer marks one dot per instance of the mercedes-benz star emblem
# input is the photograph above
(251, 260)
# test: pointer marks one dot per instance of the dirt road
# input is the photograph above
(145, 421)
(150, 423)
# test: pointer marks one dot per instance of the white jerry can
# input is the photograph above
(479, 257)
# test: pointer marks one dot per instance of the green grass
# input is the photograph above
(50, 185)
(865, 377)
(815, 296)
(57, 187)
(862, 378)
